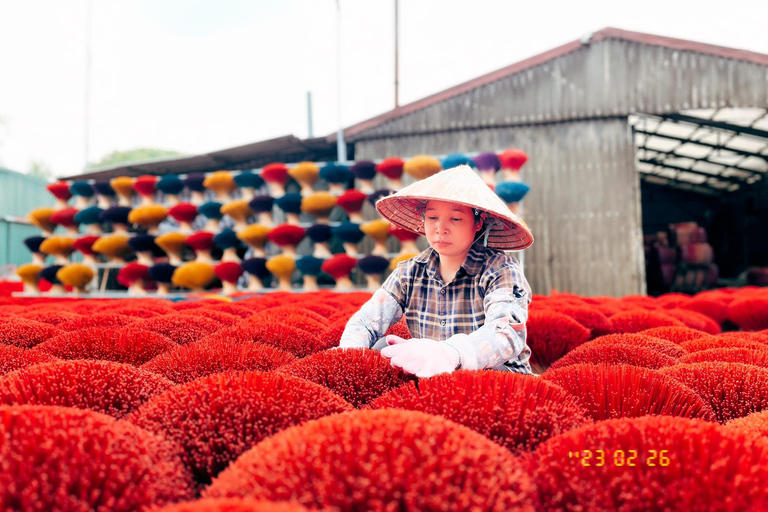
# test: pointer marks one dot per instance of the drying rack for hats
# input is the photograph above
(150, 195)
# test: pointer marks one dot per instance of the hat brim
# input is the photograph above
(508, 233)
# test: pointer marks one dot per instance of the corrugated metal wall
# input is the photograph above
(583, 207)
(12, 248)
(19, 194)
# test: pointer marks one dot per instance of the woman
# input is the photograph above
(464, 299)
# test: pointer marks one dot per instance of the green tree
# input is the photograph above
(40, 169)
(133, 155)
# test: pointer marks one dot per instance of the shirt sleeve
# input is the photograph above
(503, 336)
(372, 321)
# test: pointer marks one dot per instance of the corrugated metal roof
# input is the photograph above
(708, 151)
(286, 149)
(606, 33)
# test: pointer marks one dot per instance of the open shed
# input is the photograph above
(626, 132)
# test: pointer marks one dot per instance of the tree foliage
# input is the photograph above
(40, 169)
(133, 155)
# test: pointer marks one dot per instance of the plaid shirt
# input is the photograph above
(482, 312)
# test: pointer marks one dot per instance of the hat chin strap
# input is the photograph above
(488, 231)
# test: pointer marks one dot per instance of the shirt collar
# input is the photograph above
(476, 257)
(472, 264)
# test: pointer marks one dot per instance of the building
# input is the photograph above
(19, 194)
(626, 132)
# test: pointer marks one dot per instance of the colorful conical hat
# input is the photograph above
(463, 186)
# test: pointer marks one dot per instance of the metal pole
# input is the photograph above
(309, 114)
(397, 54)
(87, 103)
(522, 253)
(341, 147)
(7, 231)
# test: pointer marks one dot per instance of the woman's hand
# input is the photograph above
(420, 356)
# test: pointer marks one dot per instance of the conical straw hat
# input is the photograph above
(463, 186)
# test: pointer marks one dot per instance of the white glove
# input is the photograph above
(382, 342)
(421, 357)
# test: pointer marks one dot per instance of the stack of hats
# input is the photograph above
(281, 226)
(512, 190)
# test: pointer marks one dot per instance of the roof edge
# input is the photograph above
(681, 44)
(461, 88)
(276, 143)
(603, 34)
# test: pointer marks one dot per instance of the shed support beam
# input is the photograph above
(705, 144)
(743, 130)
(661, 163)
(706, 160)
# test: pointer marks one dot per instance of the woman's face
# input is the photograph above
(450, 228)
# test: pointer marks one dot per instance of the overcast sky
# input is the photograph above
(200, 75)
